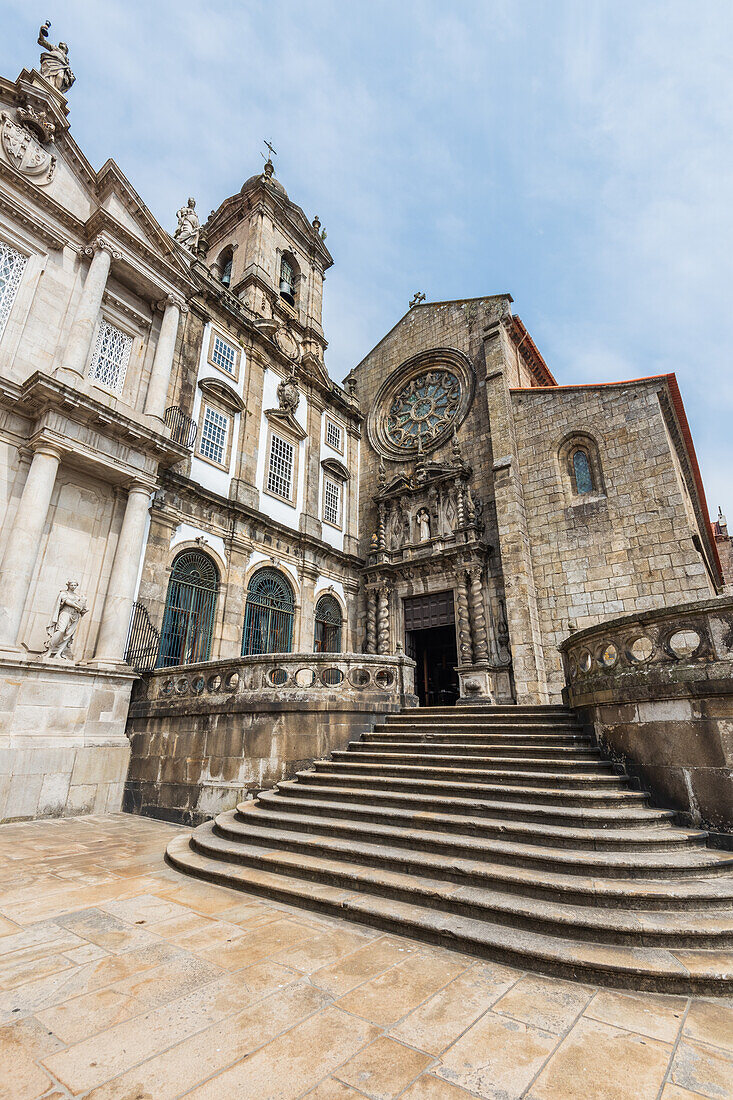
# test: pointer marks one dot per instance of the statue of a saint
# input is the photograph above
(189, 226)
(67, 613)
(423, 525)
(55, 66)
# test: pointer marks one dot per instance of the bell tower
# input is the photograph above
(262, 247)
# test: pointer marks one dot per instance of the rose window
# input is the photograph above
(423, 409)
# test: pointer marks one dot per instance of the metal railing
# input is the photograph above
(183, 428)
(143, 640)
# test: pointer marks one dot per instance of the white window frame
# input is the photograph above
(226, 445)
(272, 475)
(339, 429)
(330, 483)
(10, 291)
(104, 329)
(232, 374)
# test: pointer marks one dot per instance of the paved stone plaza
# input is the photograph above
(123, 980)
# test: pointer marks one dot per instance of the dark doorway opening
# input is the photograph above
(430, 639)
(435, 655)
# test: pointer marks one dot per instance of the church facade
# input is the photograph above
(184, 485)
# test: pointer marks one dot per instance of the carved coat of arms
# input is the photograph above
(25, 153)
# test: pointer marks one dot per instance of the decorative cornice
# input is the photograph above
(30, 220)
(218, 389)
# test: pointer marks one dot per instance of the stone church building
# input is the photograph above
(184, 487)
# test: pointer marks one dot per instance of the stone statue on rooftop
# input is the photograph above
(189, 226)
(55, 67)
(67, 614)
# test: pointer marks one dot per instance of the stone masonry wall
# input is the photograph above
(626, 549)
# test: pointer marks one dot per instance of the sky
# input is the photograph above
(575, 154)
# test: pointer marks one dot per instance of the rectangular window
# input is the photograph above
(332, 502)
(223, 355)
(333, 436)
(111, 356)
(280, 472)
(214, 433)
(12, 264)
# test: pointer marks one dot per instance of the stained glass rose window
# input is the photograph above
(423, 409)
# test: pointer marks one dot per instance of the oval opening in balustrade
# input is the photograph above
(214, 682)
(359, 677)
(585, 661)
(198, 684)
(232, 681)
(182, 685)
(332, 676)
(684, 643)
(640, 649)
(384, 678)
(276, 677)
(305, 677)
(608, 656)
(167, 688)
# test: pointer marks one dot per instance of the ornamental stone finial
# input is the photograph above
(55, 67)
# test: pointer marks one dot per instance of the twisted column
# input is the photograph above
(371, 621)
(465, 650)
(478, 615)
(383, 621)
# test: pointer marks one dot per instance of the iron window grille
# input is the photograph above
(214, 431)
(190, 605)
(143, 640)
(268, 615)
(224, 355)
(111, 356)
(332, 502)
(333, 435)
(12, 265)
(327, 634)
(280, 472)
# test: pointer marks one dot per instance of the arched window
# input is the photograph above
(188, 620)
(268, 614)
(327, 633)
(288, 278)
(224, 266)
(582, 472)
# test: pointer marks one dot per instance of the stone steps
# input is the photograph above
(503, 832)
(595, 839)
(683, 970)
(618, 816)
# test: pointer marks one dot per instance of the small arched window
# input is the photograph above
(223, 267)
(582, 472)
(288, 276)
(188, 619)
(327, 633)
(268, 614)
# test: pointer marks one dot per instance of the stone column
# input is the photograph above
(163, 361)
(21, 549)
(90, 303)
(383, 620)
(465, 650)
(478, 615)
(371, 620)
(121, 587)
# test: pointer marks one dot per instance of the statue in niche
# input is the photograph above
(397, 529)
(288, 394)
(189, 226)
(67, 614)
(55, 67)
(422, 519)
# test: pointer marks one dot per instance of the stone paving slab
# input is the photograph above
(121, 979)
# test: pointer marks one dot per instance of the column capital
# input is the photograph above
(143, 487)
(173, 301)
(101, 244)
(43, 447)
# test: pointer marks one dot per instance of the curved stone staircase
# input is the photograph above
(502, 832)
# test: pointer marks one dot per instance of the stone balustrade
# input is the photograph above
(206, 736)
(657, 687)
